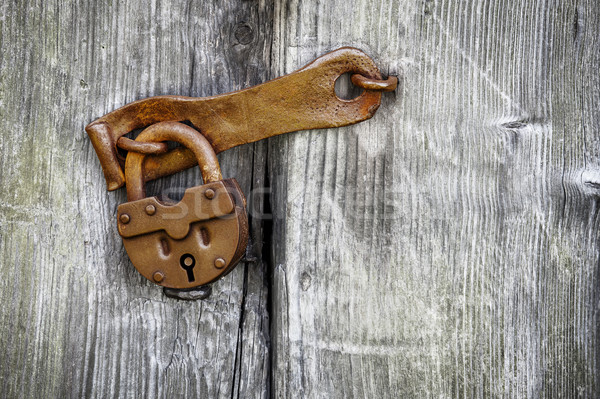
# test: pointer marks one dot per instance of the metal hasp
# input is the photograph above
(302, 100)
(186, 245)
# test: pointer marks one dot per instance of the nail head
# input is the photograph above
(158, 277)
(219, 263)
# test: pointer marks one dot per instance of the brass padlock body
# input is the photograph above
(211, 234)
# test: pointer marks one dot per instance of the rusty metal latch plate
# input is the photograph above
(302, 100)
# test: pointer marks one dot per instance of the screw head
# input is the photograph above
(209, 193)
(219, 263)
(150, 210)
(124, 218)
(158, 276)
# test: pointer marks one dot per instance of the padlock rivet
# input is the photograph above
(219, 263)
(158, 277)
(210, 193)
(150, 210)
(124, 218)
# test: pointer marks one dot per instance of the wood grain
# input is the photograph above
(77, 320)
(449, 246)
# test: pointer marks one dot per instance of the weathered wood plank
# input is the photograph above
(77, 320)
(449, 246)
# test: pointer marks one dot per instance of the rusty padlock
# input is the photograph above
(192, 242)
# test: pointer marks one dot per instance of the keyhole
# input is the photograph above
(188, 262)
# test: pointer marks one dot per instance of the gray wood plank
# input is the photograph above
(449, 246)
(77, 320)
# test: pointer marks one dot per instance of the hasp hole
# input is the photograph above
(344, 88)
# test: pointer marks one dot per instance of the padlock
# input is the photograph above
(192, 242)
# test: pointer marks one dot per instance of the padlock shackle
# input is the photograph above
(170, 131)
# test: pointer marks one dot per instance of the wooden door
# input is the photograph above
(448, 247)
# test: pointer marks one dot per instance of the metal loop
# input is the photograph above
(170, 131)
(389, 84)
(142, 147)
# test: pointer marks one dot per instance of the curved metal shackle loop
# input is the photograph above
(170, 131)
